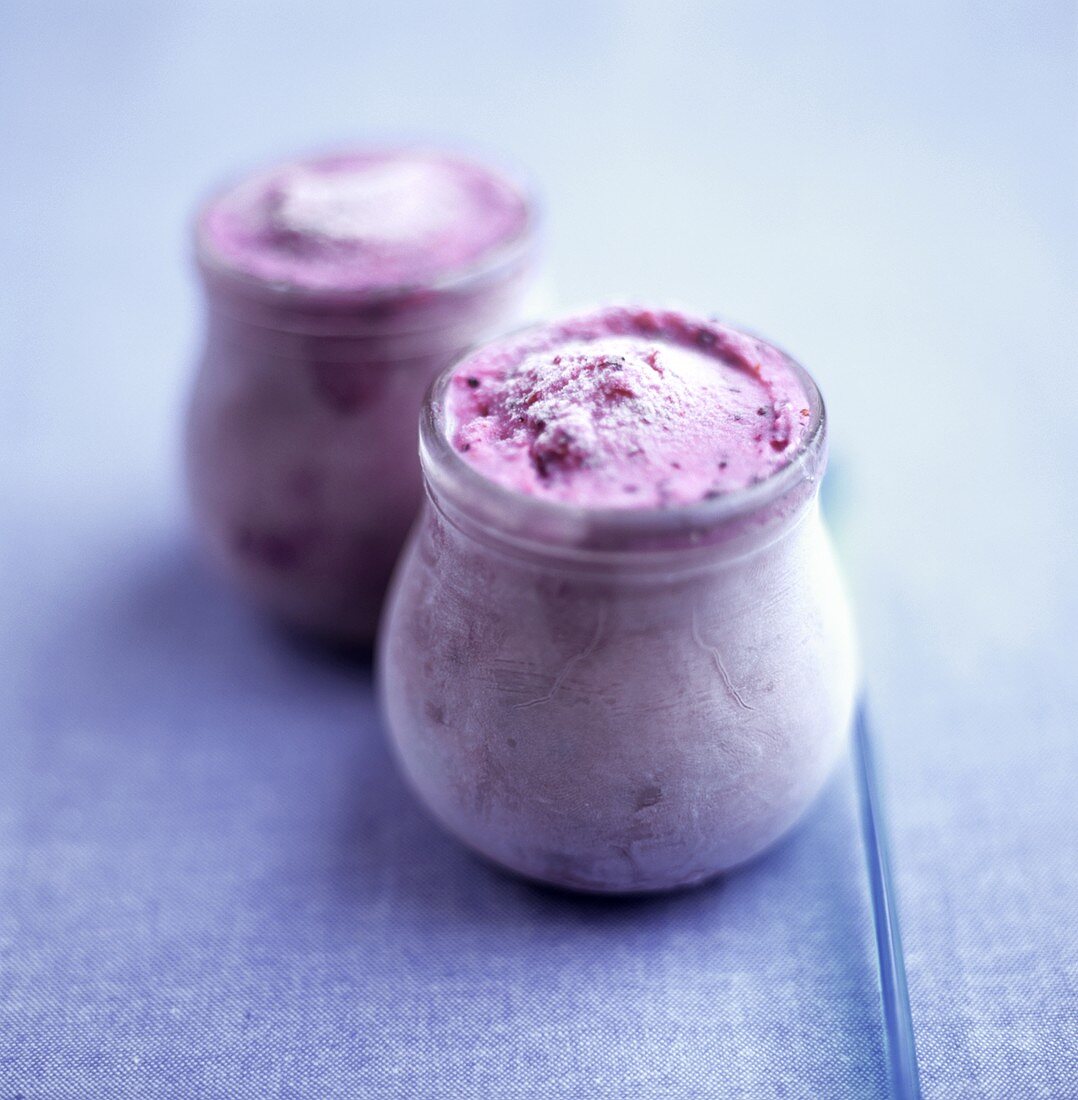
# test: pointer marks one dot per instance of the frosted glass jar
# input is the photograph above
(617, 700)
(301, 443)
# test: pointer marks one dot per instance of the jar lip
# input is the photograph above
(488, 266)
(446, 470)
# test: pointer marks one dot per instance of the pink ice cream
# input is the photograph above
(336, 288)
(363, 222)
(617, 655)
(627, 409)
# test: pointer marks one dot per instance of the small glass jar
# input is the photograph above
(617, 700)
(300, 444)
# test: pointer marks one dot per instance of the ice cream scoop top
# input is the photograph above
(627, 408)
(363, 221)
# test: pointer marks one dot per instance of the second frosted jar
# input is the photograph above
(617, 656)
(336, 288)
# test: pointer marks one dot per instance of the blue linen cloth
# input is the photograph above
(215, 885)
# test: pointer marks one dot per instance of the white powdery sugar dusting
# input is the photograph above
(378, 203)
(590, 404)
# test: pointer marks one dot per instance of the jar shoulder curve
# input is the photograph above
(470, 602)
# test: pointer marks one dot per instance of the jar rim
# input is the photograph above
(500, 258)
(548, 523)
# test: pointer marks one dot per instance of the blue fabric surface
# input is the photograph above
(211, 881)
(215, 885)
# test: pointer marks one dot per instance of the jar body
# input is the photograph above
(301, 451)
(617, 729)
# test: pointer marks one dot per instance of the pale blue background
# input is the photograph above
(211, 882)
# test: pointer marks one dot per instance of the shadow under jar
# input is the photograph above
(617, 699)
(336, 288)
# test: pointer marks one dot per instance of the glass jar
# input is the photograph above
(300, 443)
(617, 700)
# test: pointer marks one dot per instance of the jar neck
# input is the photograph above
(629, 550)
(730, 526)
(668, 541)
(404, 323)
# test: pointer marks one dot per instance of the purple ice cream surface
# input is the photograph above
(364, 221)
(627, 408)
